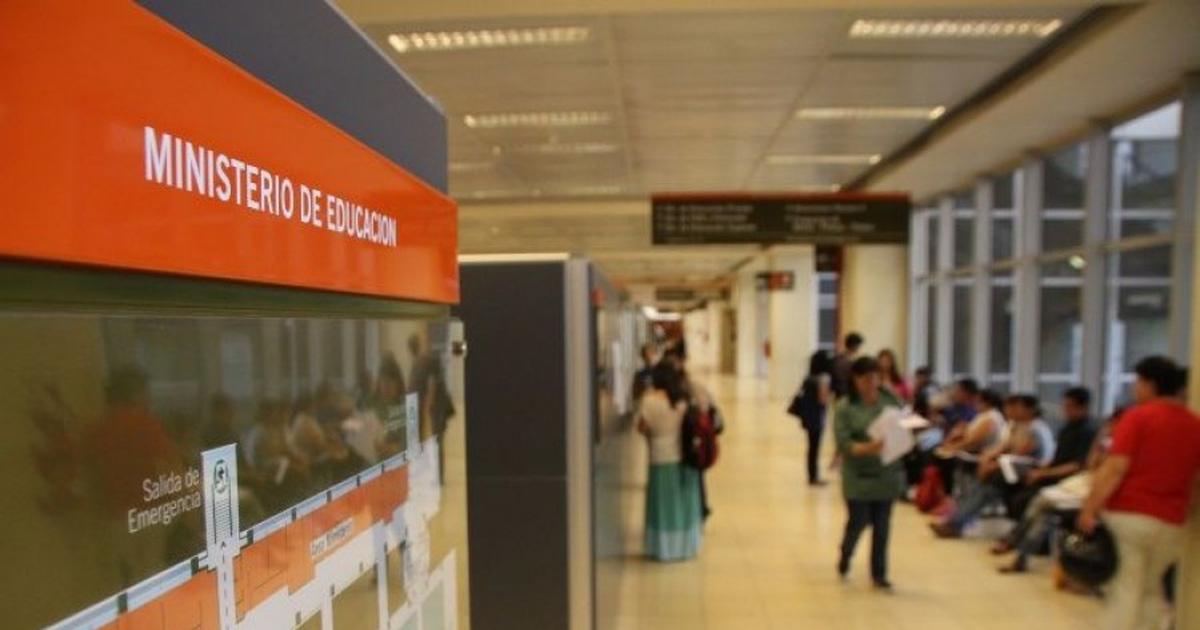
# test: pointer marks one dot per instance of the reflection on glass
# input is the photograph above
(1139, 311)
(1001, 329)
(1003, 243)
(931, 336)
(1154, 262)
(1063, 179)
(1003, 194)
(1061, 331)
(1146, 172)
(963, 318)
(964, 241)
(1061, 233)
(113, 412)
(934, 231)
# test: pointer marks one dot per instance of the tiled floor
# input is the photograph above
(770, 548)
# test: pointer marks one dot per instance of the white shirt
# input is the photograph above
(663, 423)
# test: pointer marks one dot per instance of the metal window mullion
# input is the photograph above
(981, 292)
(1026, 292)
(1184, 332)
(918, 318)
(944, 302)
(1095, 232)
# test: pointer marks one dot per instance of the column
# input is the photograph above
(1186, 293)
(874, 296)
(943, 358)
(1026, 290)
(1097, 202)
(981, 292)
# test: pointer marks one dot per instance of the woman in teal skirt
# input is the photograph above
(673, 512)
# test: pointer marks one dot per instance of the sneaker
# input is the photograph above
(1015, 567)
(884, 585)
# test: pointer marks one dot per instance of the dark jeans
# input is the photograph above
(814, 431)
(877, 515)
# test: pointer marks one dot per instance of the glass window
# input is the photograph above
(963, 318)
(1001, 329)
(115, 410)
(1003, 192)
(1003, 243)
(1063, 198)
(1063, 179)
(932, 326)
(1062, 232)
(1139, 311)
(934, 231)
(964, 240)
(1061, 332)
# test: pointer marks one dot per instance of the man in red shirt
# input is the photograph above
(1144, 487)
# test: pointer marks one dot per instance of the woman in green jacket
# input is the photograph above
(869, 486)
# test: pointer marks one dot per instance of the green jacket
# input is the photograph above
(865, 478)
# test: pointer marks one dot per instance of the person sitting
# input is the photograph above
(1033, 531)
(958, 456)
(1029, 437)
(1074, 442)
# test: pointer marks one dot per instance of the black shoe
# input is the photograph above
(883, 585)
(843, 567)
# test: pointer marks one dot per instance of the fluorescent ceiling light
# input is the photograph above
(537, 119)
(953, 28)
(870, 113)
(823, 159)
(470, 167)
(590, 190)
(655, 315)
(441, 41)
(568, 148)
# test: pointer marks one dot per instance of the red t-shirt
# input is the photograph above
(1162, 441)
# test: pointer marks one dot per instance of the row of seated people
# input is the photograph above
(994, 452)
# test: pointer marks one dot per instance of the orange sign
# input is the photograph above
(129, 145)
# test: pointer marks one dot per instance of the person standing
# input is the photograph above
(673, 509)
(811, 405)
(893, 380)
(842, 363)
(1143, 488)
(869, 485)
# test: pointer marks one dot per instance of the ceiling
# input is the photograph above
(688, 97)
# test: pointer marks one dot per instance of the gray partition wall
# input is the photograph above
(530, 392)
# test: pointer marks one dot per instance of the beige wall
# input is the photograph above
(875, 297)
(793, 320)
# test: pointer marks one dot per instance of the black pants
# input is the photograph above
(814, 429)
(877, 515)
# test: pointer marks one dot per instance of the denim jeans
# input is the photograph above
(877, 515)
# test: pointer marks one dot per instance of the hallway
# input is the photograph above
(769, 552)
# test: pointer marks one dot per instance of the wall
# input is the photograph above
(874, 297)
(703, 330)
(746, 298)
(793, 320)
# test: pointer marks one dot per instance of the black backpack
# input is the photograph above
(699, 438)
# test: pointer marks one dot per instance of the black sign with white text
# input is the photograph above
(820, 219)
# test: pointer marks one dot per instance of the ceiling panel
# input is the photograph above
(697, 100)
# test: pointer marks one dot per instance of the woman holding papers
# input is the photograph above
(861, 426)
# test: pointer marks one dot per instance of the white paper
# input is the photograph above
(897, 440)
(1012, 465)
(914, 422)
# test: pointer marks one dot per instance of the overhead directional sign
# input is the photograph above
(820, 219)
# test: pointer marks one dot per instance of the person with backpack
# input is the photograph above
(869, 485)
(810, 405)
(673, 504)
